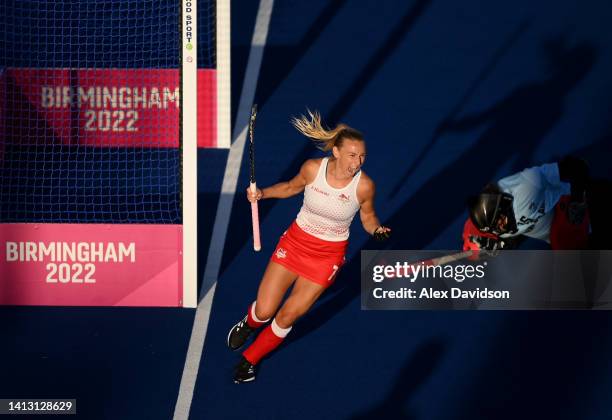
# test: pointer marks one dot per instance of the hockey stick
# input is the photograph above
(446, 258)
(253, 184)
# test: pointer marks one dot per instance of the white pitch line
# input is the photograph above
(222, 217)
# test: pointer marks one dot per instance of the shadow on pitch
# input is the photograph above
(412, 375)
(547, 364)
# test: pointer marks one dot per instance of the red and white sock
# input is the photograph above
(252, 319)
(269, 339)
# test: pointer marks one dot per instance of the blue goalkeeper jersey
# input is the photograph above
(536, 191)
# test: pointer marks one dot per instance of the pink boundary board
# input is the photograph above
(112, 107)
(90, 265)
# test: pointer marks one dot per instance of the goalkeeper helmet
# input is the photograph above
(491, 211)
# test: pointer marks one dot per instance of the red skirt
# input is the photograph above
(308, 256)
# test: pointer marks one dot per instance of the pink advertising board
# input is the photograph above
(2, 111)
(103, 107)
(90, 265)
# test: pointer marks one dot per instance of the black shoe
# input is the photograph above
(244, 371)
(239, 334)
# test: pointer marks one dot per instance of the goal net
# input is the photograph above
(99, 108)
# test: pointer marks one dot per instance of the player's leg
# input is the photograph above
(304, 294)
(274, 284)
(276, 281)
(302, 297)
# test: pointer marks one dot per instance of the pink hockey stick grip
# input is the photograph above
(255, 219)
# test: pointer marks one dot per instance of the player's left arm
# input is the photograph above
(366, 190)
(575, 171)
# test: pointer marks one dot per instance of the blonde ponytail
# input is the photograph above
(325, 139)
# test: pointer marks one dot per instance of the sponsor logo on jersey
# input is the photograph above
(344, 198)
(315, 189)
(531, 221)
(528, 221)
(281, 253)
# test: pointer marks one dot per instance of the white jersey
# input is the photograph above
(327, 212)
(536, 191)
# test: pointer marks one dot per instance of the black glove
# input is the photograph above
(489, 246)
(381, 233)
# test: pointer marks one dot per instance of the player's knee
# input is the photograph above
(287, 316)
(264, 311)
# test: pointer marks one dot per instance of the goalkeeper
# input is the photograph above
(310, 253)
(546, 202)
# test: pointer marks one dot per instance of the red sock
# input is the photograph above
(254, 323)
(264, 344)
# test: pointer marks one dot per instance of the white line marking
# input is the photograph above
(222, 217)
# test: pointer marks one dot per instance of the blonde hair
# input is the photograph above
(324, 138)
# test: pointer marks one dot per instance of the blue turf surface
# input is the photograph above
(397, 70)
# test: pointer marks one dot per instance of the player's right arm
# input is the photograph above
(286, 189)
